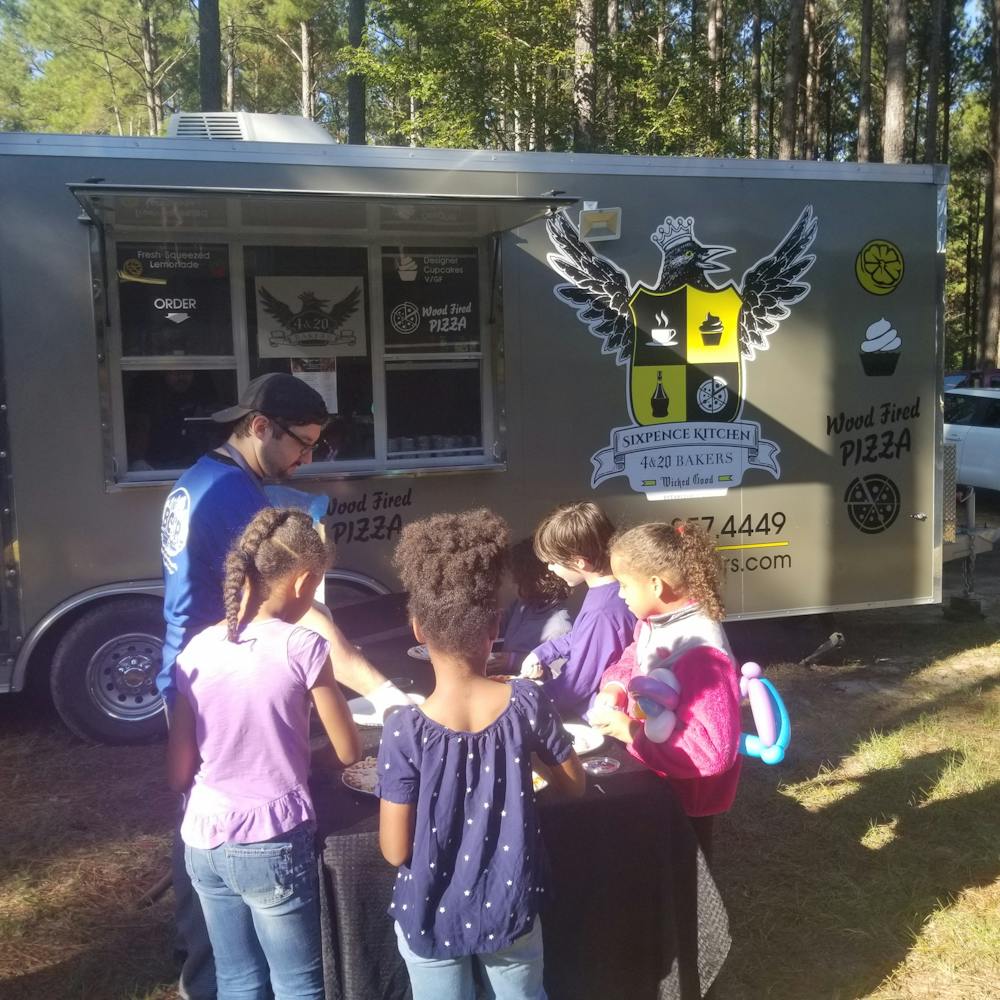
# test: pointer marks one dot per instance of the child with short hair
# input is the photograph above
(573, 541)
(239, 745)
(458, 814)
(539, 613)
(670, 578)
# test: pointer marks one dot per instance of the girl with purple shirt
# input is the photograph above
(239, 747)
(573, 541)
(458, 810)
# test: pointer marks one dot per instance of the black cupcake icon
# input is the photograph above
(711, 330)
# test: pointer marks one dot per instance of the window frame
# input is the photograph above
(236, 238)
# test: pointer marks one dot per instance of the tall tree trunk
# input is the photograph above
(610, 97)
(230, 102)
(755, 83)
(793, 73)
(357, 124)
(112, 83)
(831, 98)
(583, 74)
(149, 72)
(990, 313)
(305, 66)
(865, 85)
(772, 90)
(921, 56)
(811, 48)
(713, 42)
(209, 55)
(946, 72)
(933, 81)
(894, 128)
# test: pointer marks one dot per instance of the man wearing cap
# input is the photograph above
(276, 426)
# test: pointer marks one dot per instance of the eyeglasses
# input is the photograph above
(319, 449)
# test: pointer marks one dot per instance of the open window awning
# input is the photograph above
(139, 206)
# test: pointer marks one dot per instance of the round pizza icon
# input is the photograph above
(879, 267)
(872, 503)
(405, 318)
(713, 395)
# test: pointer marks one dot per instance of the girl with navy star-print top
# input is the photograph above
(458, 813)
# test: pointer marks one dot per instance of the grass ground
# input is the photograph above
(865, 866)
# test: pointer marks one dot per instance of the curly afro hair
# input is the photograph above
(452, 565)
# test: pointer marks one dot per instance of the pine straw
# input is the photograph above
(84, 832)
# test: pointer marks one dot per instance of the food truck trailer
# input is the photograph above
(752, 345)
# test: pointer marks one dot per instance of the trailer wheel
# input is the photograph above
(104, 673)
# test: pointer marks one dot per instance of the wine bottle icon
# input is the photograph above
(659, 402)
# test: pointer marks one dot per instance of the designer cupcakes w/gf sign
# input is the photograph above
(880, 349)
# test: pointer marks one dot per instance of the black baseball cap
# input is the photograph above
(278, 395)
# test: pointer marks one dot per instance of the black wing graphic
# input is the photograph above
(276, 308)
(599, 291)
(341, 311)
(772, 285)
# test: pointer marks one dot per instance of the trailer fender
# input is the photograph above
(57, 618)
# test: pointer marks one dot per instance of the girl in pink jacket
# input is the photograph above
(673, 697)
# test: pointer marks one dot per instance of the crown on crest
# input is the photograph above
(673, 231)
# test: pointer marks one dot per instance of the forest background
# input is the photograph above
(860, 80)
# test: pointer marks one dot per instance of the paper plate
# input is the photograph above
(362, 777)
(585, 739)
(363, 711)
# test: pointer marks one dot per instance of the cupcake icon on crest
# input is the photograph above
(880, 349)
(711, 330)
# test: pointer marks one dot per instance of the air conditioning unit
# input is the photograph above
(244, 126)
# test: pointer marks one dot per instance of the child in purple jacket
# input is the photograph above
(573, 541)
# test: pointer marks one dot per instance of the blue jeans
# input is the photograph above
(261, 905)
(513, 973)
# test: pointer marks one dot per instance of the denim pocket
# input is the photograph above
(269, 873)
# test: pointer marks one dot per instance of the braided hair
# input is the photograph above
(273, 545)
(452, 565)
(682, 554)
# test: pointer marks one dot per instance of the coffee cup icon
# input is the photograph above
(664, 334)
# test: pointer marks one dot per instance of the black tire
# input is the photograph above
(104, 671)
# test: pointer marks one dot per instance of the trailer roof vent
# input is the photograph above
(236, 126)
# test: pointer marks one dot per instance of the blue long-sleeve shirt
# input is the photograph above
(602, 631)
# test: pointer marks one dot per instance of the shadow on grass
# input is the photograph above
(126, 963)
(831, 903)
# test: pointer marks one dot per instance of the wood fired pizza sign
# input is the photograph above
(685, 344)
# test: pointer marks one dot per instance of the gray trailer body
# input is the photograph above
(816, 461)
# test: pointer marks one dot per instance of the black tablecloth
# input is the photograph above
(634, 911)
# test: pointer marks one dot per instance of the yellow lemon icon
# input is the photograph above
(879, 267)
(132, 267)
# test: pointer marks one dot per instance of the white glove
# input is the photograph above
(386, 697)
(532, 668)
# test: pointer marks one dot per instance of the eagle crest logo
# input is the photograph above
(686, 342)
(316, 323)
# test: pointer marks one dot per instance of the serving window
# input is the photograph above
(386, 303)
(392, 337)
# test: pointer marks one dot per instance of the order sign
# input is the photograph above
(430, 299)
(174, 299)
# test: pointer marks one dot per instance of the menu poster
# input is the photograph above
(431, 299)
(311, 317)
(174, 299)
(321, 374)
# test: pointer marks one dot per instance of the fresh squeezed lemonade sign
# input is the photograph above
(684, 342)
